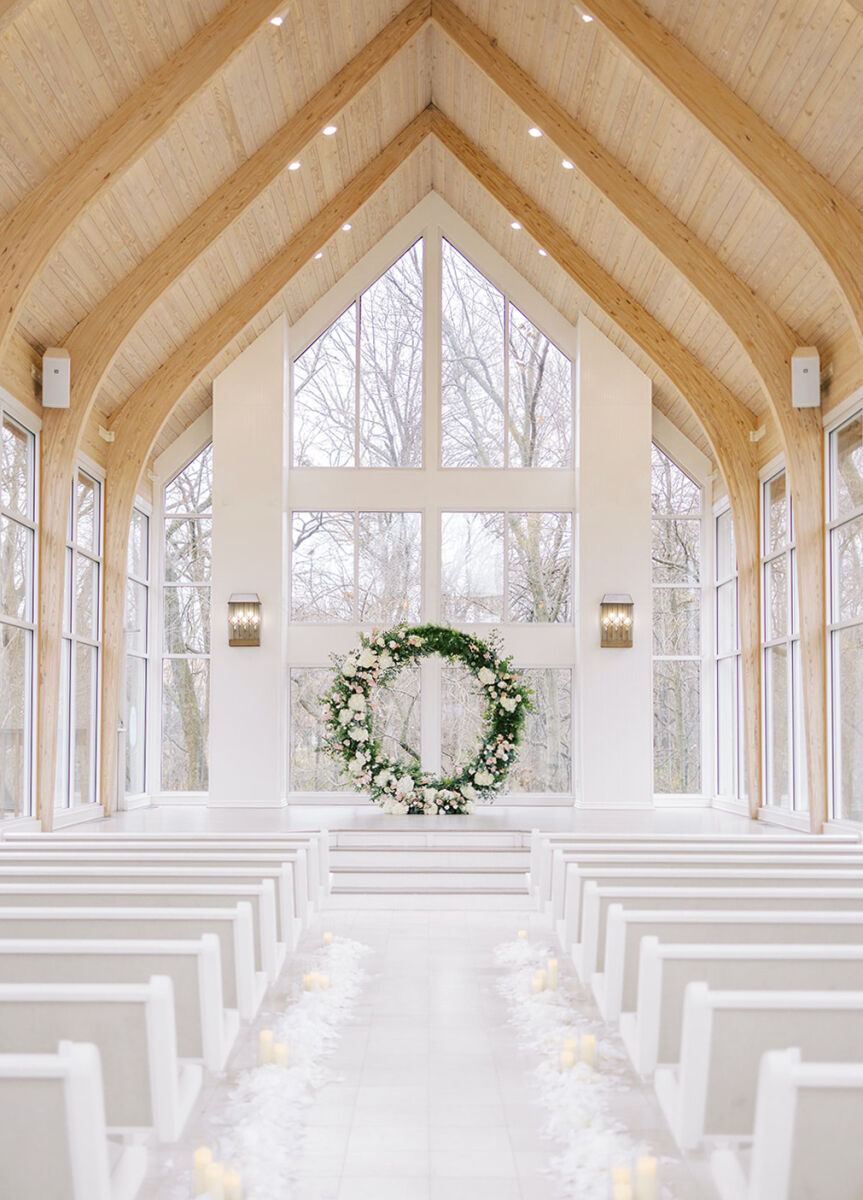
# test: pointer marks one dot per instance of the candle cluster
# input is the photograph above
(546, 979)
(271, 1051)
(576, 1049)
(214, 1180)
(642, 1183)
(315, 981)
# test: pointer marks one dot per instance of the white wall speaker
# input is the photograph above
(805, 377)
(56, 378)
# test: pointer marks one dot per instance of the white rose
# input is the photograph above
(405, 786)
(483, 779)
(345, 716)
(357, 702)
(357, 734)
(349, 668)
(485, 676)
(509, 703)
(367, 658)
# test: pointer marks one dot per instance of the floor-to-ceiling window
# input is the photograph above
(730, 769)
(845, 567)
(677, 628)
(432, 454)
(78, 712)
(137, 626)
(17, 613)
(784, 749)
(186, 550)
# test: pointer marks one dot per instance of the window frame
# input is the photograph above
(145, 655)
(740, 792)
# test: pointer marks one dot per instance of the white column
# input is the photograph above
(248, 691)
(615, 702)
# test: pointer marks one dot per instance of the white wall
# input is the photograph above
(614, 759)
(247, 684)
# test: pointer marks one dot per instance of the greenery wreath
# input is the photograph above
(401, 788)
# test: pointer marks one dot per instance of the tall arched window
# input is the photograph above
(187, 542)
(432, 434)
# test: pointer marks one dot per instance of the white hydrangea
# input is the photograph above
(345, 716)
(357, 702)
(349, 667)
(398, 808)
(385, 661)
(485, 676)
(483, 779)
(468, 792)
(358, 734)
(405, 786)
(367, 658)
(509, 703)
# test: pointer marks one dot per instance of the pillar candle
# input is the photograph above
(309, 982)
(552, 973)
(621, 1191)
(571, 1044)
(646, 1178)
(538, 984)
(281, 1054)
(215, 1181)
(233, 1185)
(522, 933)
(567, 1060)
(328, 939)
(588, 1049)
(265, 1046)
(323, 982)
(201, 1159)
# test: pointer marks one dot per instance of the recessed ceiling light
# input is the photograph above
(320, 254)
(543, 253)
(346, 226)
(586, 17)
(534, 131)
(276, 20)
(515, 224)
(329, 130)
(567, 165)
(295, 165)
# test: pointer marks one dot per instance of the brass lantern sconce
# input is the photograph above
(616, 621)
(244, 619)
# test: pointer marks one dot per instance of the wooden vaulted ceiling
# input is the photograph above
(666, 207)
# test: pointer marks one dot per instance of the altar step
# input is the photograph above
(424, 870)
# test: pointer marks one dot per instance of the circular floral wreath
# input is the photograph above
(401, 788)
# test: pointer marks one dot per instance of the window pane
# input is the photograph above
(325, 397)
(676, 726)
(87, 513)
(540, 398)
(391, 365)
(312, 768)
(186, 620)
(673, 493)
(86, 702)
(472, 366)
(86, 597)
(848, 721)
(776, 725)
(192, 490)
(16, 469)
(726, 727)
(15, 694)
(726, 617)
(136, 723)
(185, 724)
(462, 724)
(676, 621)
(136, 617)
(540, 558)
(322, 566)
(188, 547)
(776, 597)
(848, 468)
(544, 762)
(801, 783)
(139, 529)
(396, 713)
(16, 570)
(775, 513)
(61, 774)
(848, 571)
(676, 551)
(390, 567)
(726, 549)
(472, 566)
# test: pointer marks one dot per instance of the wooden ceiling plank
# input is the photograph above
(31, 232)
(10, 10)
(830, 221)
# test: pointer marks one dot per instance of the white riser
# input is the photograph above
(430, 901)
(402, 836)
(412, 881)
(414, 859)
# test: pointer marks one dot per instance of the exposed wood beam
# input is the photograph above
(137, 422)
(858, 4)
(10, 10)
(31, 232)
(832, 223)
(726, 421)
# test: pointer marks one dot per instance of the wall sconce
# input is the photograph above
(616, 617)
(244, 619)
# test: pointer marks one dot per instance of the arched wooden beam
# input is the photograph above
(138, 421)
(31, 232)
(858, 4)
(726, 421)
(765, 339)
(829, 219)
(10, 10)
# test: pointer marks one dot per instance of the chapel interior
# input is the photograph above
(431, 600)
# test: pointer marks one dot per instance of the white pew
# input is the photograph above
(711, 1092)
(778, 857)
(651, 1034)
(543, 845)
(757, 873)
(589, 955)
(53, 1138)
(243, 987)
(289, 926)
(627, 927)
(94, 856)
(806, 1143)
(269, 954)
(146, 1085)
(313, 848)
(206, 1030)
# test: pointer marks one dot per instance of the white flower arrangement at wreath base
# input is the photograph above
(402, 789)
